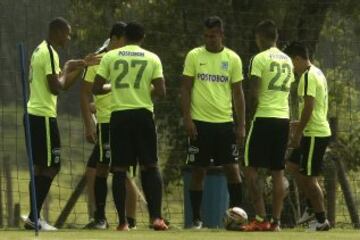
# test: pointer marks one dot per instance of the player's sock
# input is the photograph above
(119, 194)
(320, 217)
(235, 193)
(152, 185)
(100, 197)
(42, 186)
(131, 222)
(195, 199)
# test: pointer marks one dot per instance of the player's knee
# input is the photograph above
(232, 173)
(292, 167)
(150, 167)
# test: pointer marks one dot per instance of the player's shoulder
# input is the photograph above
(149, 54)
(196, 51)
(231, 54)
(315, 72)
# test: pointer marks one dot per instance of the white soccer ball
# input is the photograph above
(237, 215)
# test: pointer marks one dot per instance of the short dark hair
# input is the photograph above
(58, 23)
(297, 49)
(134, 32)
(214, 21)
(118, 29)
(268, 30)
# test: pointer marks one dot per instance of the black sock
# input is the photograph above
(100, 197)
(152, 186)
(42, 186)
(195, 199)
(308, 204)
(320, 217)
(119, 194)
(131, 222)
(235, 193)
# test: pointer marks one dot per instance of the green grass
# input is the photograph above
(298, 234)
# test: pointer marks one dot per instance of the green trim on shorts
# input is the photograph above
(310, 156)
(48, 141)
(100, 143)
(247, 144)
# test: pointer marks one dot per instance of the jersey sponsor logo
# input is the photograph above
(131, 54)
(278, 56)
(212, 77)
(224, 65)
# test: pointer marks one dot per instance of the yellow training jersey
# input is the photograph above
(275, 70)
(313, 83)
(213, 73)
(44, 61)
(130, 70)
(103, 103)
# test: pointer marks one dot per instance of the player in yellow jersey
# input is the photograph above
(312, 133)
(98, 164)
(135, 75)
(271, 73)
(46, 81)
(211, 84)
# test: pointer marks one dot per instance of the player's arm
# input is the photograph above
(253, 99)
(87, 111)
(306, 113)
(239, 105)
(186, 89)
(100, 86)
(159, 89)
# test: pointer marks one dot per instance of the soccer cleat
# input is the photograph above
(275, 227)
(46, 226)
(234, 226)
(123, 227)
(97, 224)
(256, 226)
(307, 216)
(28, 224)
(197, 224)
(159, 225)
(316, 226)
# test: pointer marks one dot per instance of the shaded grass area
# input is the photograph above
(297, 234)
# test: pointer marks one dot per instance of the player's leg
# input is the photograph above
(46, 154)
(311, 167)
(151, 180)
(196, 192)
(227, 154)
(131, 202)
(122, 156)
(256, 157)
(278, 196)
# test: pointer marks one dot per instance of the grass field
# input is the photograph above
(335, 234)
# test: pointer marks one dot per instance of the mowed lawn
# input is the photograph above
(299, 234)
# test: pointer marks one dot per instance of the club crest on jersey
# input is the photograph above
(224, 65)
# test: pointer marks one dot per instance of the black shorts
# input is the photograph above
(133, 138)
(266, 143)
(309, 156)
(214, 145)
(101, 151)
(45, 141)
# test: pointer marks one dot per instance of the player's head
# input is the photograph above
(134, 33)
(59, 31)
(213, 33)
(299, 55)
(266, 34)
(117, 34)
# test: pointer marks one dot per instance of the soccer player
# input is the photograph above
(211, 83)
(136, 76)
(312, 132)
(270, 73)
(46, 82)
(100, 157)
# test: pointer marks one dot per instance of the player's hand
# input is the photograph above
(240, 136)
(92, 108)
(92, 59)
(190, 128)
(90, 134)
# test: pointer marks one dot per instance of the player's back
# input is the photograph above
(275, 70)
(132, 70)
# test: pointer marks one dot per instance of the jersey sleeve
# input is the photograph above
(307, 85)
(189, 65)
(89, 74)
(158, 69)
(256, 66)
(237, 71)
(51, 63)
(104, 67)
